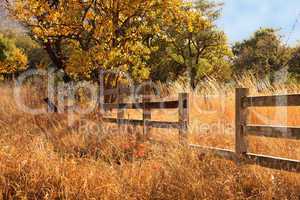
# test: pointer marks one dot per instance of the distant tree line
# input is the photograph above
(265, 54)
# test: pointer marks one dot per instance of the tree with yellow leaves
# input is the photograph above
(83, 36)
(12, 59)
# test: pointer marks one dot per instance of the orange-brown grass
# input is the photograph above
(44, 157)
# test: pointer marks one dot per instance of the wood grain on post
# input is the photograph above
(146, 112)
(183, 116)
(240, 121)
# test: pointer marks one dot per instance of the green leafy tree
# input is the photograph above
(37, 56)
(294, 64)
(263, 54)
(12, 59)
(194, 47)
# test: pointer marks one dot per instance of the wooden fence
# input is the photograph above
(242, 129)
(182, 104)
(243, 102)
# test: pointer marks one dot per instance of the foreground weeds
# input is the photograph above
(72, 166)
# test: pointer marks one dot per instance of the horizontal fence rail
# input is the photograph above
(270, 101)
(182, 104)
(153, 124)
(142, 105)
(251, 158)
(273, 131)
(273, 162)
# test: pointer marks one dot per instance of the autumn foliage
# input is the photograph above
(81, 37)
(12, 59)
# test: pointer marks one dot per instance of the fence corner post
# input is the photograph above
(183, 106)
(240, 121)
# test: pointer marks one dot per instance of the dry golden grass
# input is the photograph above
(41, 157)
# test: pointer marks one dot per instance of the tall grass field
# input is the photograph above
(44, 157)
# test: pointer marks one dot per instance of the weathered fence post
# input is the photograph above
(183, 117)
(120, 112)
(240, 121)
(146, 112)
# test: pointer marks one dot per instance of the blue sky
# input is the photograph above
(240, 18)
